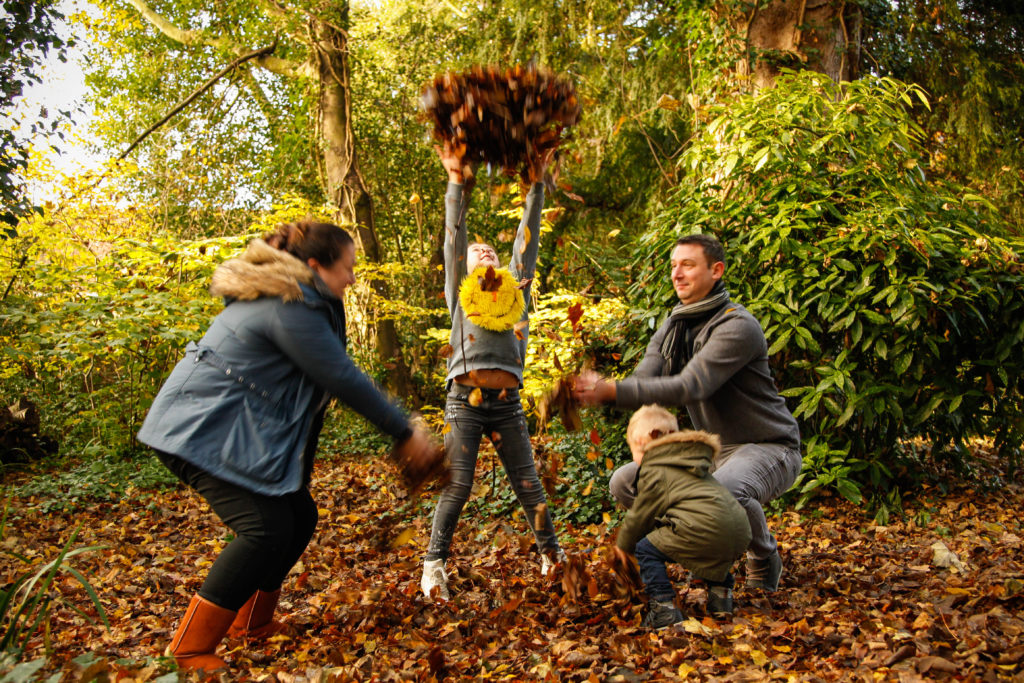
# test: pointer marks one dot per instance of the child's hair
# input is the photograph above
(310, 239)
(653, 421)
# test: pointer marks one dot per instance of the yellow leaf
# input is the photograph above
(414, 199)
(760, 658)
(668, 102)
(614, 232)
(783, 648)
(684, 670)
(476, 397)
(606, 518)
(590, 487)
(618, 124)
(403, 538)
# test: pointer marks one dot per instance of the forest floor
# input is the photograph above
(858, 601)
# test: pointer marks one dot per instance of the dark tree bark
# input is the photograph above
(346, 187)
(821, 35)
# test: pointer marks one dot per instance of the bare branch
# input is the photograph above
(196, 93)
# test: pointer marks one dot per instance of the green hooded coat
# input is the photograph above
(682, 510)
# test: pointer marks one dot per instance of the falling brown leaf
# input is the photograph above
(540, 515)
(446, 351)
(574, 313)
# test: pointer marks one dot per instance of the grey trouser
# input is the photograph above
(755, 473)
(500, 417)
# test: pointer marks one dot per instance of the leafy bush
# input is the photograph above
(891, 304)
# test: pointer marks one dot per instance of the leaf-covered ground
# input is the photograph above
(858, 601)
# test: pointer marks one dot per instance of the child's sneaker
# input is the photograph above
(434, 576)
(719, 600)
(661, 614)
(764, 573)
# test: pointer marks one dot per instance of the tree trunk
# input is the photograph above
(821, 35)
(346, 188)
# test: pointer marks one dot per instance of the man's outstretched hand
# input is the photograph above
(592, 389)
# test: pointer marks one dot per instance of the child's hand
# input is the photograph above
(452, 162)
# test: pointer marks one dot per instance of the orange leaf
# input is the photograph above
(476, 397)
(595, 438)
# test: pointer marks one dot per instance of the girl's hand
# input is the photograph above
(452, 162)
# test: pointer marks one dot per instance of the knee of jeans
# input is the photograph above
(457, 491)
(621, 490)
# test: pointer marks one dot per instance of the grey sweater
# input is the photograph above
(474, 347)
(726, 387)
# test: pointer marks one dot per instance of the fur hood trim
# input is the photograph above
(689, 436)
(261, 271)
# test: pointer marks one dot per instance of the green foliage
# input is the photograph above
(94, 324)
(26, 603)
(95, 476)
(891, 302)
(28, 33)
(968, 56)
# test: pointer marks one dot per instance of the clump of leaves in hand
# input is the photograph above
(508, 118)
(561, 402)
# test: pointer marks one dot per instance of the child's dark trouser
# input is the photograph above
(499, 416)
(271, 532)
(654, 574)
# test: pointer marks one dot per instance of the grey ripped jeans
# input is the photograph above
(755, 473)
(500, 417)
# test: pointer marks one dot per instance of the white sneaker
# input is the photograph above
(547, 565)
(434, 576)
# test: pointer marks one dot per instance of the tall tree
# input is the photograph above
(307, 44)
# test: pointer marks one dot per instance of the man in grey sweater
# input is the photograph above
(711, 357)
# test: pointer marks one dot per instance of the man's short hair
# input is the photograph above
(649, 420)
(713, 249)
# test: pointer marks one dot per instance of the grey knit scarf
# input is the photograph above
(686, 319)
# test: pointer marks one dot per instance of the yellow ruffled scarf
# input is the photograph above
(492, 299)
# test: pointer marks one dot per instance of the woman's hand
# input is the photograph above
(420, 459)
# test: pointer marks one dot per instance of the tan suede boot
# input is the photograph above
(255, 619)
(201, 630)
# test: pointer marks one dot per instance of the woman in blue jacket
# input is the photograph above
(239, 418)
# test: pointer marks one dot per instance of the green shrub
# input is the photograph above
(892, 305)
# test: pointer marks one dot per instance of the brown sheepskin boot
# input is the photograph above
(255, 619)
(201, 630)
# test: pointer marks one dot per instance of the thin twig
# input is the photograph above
(199, 91)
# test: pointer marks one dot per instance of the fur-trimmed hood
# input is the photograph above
(691, 450)
(261, 271)
(690, 436)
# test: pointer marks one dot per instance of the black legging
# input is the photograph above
(271, 532)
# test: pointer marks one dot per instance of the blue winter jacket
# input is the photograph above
(245, 401)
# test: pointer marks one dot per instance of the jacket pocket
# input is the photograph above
(261, 444)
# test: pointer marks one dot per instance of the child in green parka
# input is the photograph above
(681, 514)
